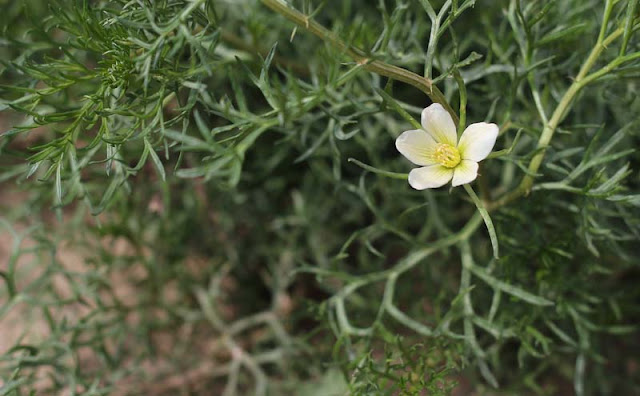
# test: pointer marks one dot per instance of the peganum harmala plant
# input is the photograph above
(233, 217)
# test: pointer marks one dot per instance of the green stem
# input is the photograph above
(462, 124)
(549, 130)
(412, 259)
(393, 175)
(605, 19)
(375, 66)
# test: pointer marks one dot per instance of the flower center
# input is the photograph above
(447, 155)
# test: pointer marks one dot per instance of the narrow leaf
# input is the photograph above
(487, 219)
(394, 175)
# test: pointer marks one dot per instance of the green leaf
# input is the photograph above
(155, 159)
(560, 33)
(396, 106)
(393, 175)
(508, 288)
(487, 219)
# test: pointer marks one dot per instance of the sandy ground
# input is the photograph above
(23, 324)
(12, 326)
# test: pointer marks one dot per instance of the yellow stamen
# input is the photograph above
(447, 155)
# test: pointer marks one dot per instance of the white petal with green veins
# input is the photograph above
(477, 141)
(439, 124)
(417, 146)
(464, 173)
(433, 176)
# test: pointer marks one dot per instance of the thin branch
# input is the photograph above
(373, 65)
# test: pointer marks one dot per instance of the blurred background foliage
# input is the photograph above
(183, 211)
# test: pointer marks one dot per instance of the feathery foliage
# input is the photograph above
(231, 215)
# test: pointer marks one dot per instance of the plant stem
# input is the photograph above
(558, 115)
(372, 65)
(463, 102)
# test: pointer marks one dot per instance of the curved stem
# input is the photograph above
(561, 110)
(372, 65)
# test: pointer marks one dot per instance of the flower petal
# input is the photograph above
(439, 124)
(464, 173)
(477, 141)
(417, 146)
(433, 176)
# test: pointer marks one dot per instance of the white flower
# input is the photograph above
(436, 148)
